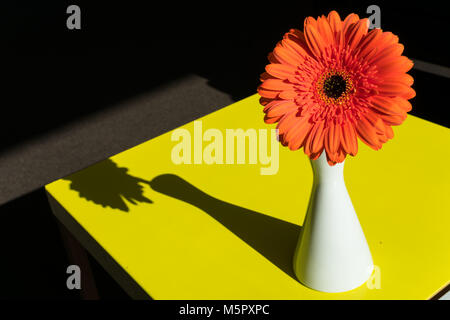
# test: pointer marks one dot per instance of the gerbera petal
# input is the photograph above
(367, 133)
(269, 120)
(409, 94)
(356, 32)
(336, 157)
(375, 121)
(267, 93)
(368, 43)
(295, 47)
(281, 71)
(404, 78)
(382, 138)
(264, 76)
(298, 137)
(286, 123)
(288, 94)
(264, 101)
(341, 155)
(388, 53)
(316, 155)
(349, 139)
(331, 157)
(393, 119)
(298, 37)
(299, 123)
(295, 33)
(272, 103)
(313, 38)
(272, 58)
(286, 56)
(350, 20)
(404, 104)
(276, 84)
(314, 142)
(387, 39)
(336, 27)
(385, 105)
(396, 65)
(281, 109)
(335, 21)
(332, 138)
(388, 131)
(323, 26)
(369, 54)
(393, 88)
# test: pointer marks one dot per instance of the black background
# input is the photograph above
(52, 76)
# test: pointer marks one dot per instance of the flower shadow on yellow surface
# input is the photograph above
(275, 239)
(108, 185)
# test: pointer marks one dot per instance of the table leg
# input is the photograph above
(77, 255)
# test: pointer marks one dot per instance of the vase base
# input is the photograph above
(340, 286)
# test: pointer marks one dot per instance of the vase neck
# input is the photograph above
(323, 171)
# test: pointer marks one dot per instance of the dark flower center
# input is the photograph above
(334, 86)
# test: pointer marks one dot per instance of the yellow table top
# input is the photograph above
(225, 231)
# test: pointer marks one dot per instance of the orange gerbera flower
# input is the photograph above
(335, 82)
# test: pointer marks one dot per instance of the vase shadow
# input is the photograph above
(273, 238)
(108, 185)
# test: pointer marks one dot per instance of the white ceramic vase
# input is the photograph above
(332, 254)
